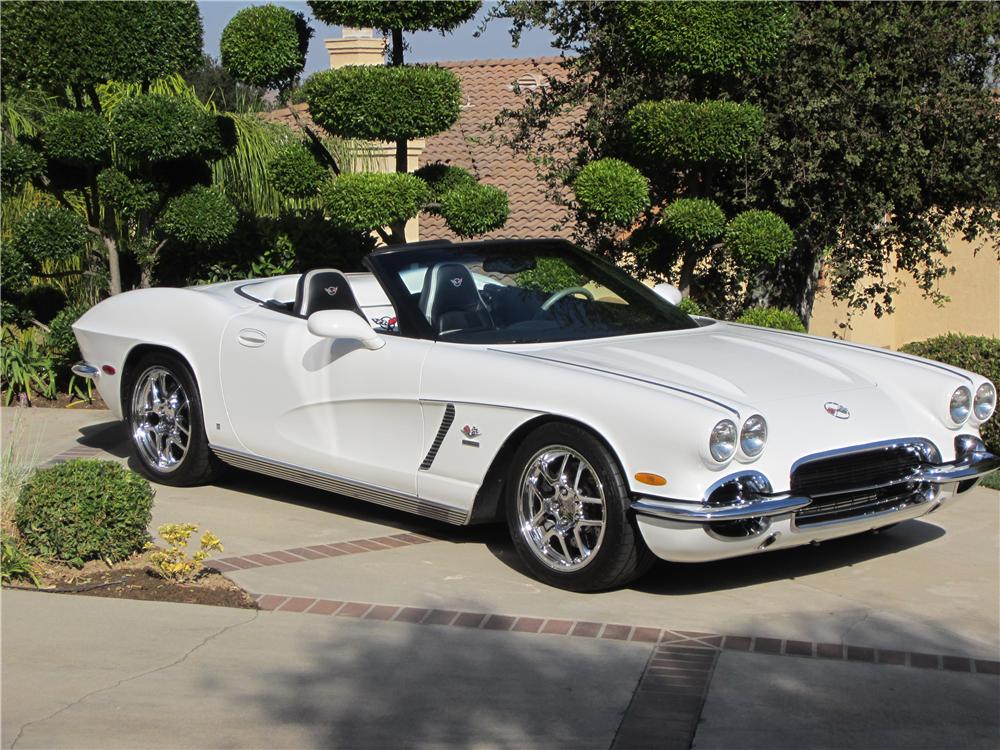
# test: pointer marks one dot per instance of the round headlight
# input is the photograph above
(961, 405)
(722, 443)
(753, 436)
(985, 403)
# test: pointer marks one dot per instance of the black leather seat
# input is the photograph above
(451, 302)
(324, 289)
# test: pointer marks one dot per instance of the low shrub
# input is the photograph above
(15, 564)
(772, 317)
(173, 563)
(980, 354)
(84, 510)
(25, 369)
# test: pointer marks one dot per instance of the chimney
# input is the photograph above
(356, 47)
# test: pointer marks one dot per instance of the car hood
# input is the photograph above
(733, 363)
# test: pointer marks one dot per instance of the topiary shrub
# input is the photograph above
(612, 190)
(364, 201)
(443, 177)
(474, 209)
(60, 343)
(756, 238)
(689, 306)
(295, 173)
(693, 220)
(408, 15)
(85, 510)
(351, 101)
(707, 37)
(201, 216)
(772, 317)
(265, 46)
(979, 354)
(124, 194)
(77, 138)
(19, 164)
(550, 275)
(49, 233)
(164, 128)
(676, 131)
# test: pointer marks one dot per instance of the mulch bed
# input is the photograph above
(62, 401)
(134, 579)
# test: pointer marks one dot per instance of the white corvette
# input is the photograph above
(531, 381)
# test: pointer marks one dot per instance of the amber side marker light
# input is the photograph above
(654, 479)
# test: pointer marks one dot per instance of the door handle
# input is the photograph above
(251, 337)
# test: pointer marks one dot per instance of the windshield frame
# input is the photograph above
(385, 262)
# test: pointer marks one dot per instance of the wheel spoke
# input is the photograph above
(588, 523)
(565, 548)
(584, 549)
(590, 500)
(579, 473)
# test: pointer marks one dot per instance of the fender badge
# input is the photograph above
(471, 431)
(837, 410)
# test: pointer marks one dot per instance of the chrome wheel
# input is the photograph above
(161, 419)
(561, 508)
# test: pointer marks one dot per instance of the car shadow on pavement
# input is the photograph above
(109, 437)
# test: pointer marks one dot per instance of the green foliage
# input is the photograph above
(25, 369)
(173, 563)
(772, 317)
(367, 200)
(16, 565)
(693, 132)
(696, 220)
(295, 172)
(52, 45)
(19, 164)
(612, 190)
(707, 38)
(77, 138)
(407, 15)
(202, 216)
(85, 510)
(443, 177)
(161, 128)
(689, 306)
(124, 194)
(979, 354)
(474, 209)
(16, 269)
(756, 238)
(991, 480)
(265, 46)
(60, 343)
(550, 275)
(384, 103)
(49, 233)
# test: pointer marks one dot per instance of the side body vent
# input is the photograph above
(449, 417)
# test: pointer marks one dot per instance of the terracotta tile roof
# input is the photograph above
(487, 87)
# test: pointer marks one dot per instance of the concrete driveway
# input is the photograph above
(381, 629)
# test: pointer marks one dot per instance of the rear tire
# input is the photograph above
(163, 414)
(568, 514)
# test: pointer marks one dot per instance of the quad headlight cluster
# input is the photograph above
(726, 438)
(981, 406)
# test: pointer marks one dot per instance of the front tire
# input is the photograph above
(164, 418)
(568, 512)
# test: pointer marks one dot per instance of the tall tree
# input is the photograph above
(873, 134)
(396, 103)
(132, 169)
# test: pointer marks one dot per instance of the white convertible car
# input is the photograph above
(533, 382)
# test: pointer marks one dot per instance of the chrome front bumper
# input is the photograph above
(974, 462)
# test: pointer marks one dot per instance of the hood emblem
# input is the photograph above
(456, 282)
(331, 290)
(837, 410)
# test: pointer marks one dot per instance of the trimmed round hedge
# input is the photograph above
(78, 138)
(772, 317)
(707, 37)
(757, 238)
(408, 15)
(678, 131)
(19, 164)
(85, 510)
(689, 306)
(265, 46)
(612, 190)
(693, 219)
(380, 103)
(202, 216)
(475, 209)
(163, 128)
(441, 178)
(979, 354)
(295, 172)
(123, 193)
(51, 233)
(365, 201)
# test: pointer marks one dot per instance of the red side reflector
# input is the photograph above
(108, 369)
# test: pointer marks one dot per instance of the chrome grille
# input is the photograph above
(860, 482)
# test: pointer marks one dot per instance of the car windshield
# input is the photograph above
(519, 292)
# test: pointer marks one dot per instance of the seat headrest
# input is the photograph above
(324, 289)
(448, 286)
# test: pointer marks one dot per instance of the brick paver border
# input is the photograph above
(317, 552)
(77, 451)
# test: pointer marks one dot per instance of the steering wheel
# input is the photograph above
(565, 293)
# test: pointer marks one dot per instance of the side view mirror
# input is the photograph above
(344, 324)
(669, 292)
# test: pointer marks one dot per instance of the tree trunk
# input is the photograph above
(397, 233)
(687, 272)
(402, 160)
(114, 270)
